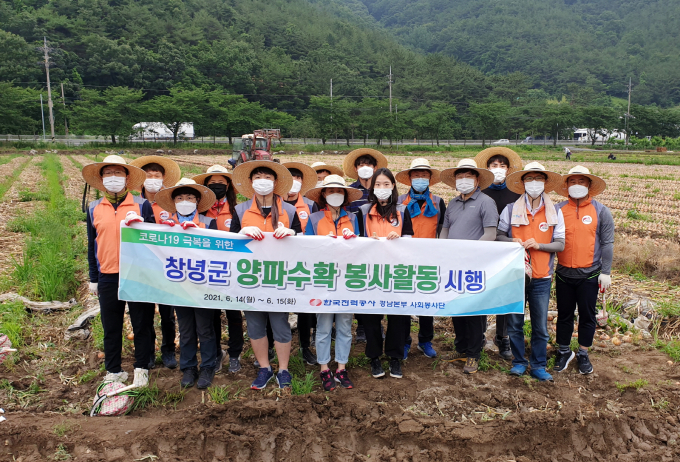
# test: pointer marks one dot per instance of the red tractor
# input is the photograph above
(254, 146)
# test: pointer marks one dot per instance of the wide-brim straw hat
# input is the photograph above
(597, 184)
(515, 184)
(448, 176)
(241, 177)
(172, 170)
(335, 181)
(331, 168)
(308, 175)
(515, 161)
(404, 177)
(165, 201)
(348, 162)
(92, 175)
(212, 171)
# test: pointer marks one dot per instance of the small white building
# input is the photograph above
(160, 131)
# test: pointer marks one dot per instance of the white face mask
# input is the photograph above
(578, 191)
(263, 187)
(335, 200)
(365, 172)
(185, 207)
(114, 184)
(498, 174)
(534, 188)
(383, 194)
(465, 185)
(297, 186)
(153, 185)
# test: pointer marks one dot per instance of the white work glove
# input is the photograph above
(282, 232)
(94, 288)
(167, 222)
(188, 224)
(347, 234)
(253, 232)
(133, 217)
(604, 281)
(332, 235)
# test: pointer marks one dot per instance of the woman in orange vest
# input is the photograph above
(115, 179)
(534, 222)
(161, 172)
(186, 200)
(385, 217)
(265, 184)
(334, 220)
(218, 180)
(427, 215)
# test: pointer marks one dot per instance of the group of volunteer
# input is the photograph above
(498, 200)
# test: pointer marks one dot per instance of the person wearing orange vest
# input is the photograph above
(266, 183)
(218, 180)
(534, 222)
(471, 215)
(161, 172)
(334, 220)
(304, 179)
(427, 215)
(115, 179)
(584, 266)
(385, 217)
(185, 201)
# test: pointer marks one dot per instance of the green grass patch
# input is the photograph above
(303, 386)
(551, 363)
(637, 384)
(65, 427)
(360, 360)
(527, 328)
(88, 376)
(296, 366)
(671, 348)
(484, 362)
(14, 322)
(97, 332)
(573, 345)
(146, 397)
(221, 394)
(9, 180)
(77, 164)
(7, 159)
(635, 215)
(31, 196)
(61, 453)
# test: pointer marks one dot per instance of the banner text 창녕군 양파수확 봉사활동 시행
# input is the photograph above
(212, 269)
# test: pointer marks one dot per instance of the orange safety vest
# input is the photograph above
(581, 243)
(374, 223)
(106, 221)
(425, 227)
(158, 213)
(323, 223)
(538, 228)
(249, 215)
(200, 220)
(304, 210)
(222, 218)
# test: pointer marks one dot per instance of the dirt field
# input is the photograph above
(628, 410)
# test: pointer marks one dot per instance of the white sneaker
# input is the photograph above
(141, 377)
(121, 377)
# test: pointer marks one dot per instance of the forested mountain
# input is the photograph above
(563, 45)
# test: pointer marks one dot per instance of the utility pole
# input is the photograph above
(630, 88)
(331, 104)
(63, 100)
(390, 81)
(42, 116)
(49, 90)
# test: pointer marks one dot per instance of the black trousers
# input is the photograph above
(501, 326)
(112, 313)
(570, 293)
(234, 329)
(168, 328)
(196, 325)
(306, 322)
(469, 334)
(426, 331)
(397, 326)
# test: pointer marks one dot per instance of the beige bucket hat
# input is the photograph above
(597, 184)
(515, 161)
(515, 184)
(331, 168)
(348, 162)
(172, 170)
(93, 177)
(404, 177)
(448, 176)
(165, 201)
(241, 176)
(335, 181)
(213, 170)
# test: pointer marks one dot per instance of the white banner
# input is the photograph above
(215, 269)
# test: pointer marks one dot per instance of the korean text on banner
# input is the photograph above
(214, 269)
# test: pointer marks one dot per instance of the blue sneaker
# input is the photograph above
(283, 378)
(518, 370)
(407, 348)
(541, 375)
(264, 375)
(426, 348)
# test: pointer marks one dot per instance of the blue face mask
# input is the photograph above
(420, 184)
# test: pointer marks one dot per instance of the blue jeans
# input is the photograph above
(343, 337)
(537, 294)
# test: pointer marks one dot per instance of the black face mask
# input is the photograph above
(219, 189)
